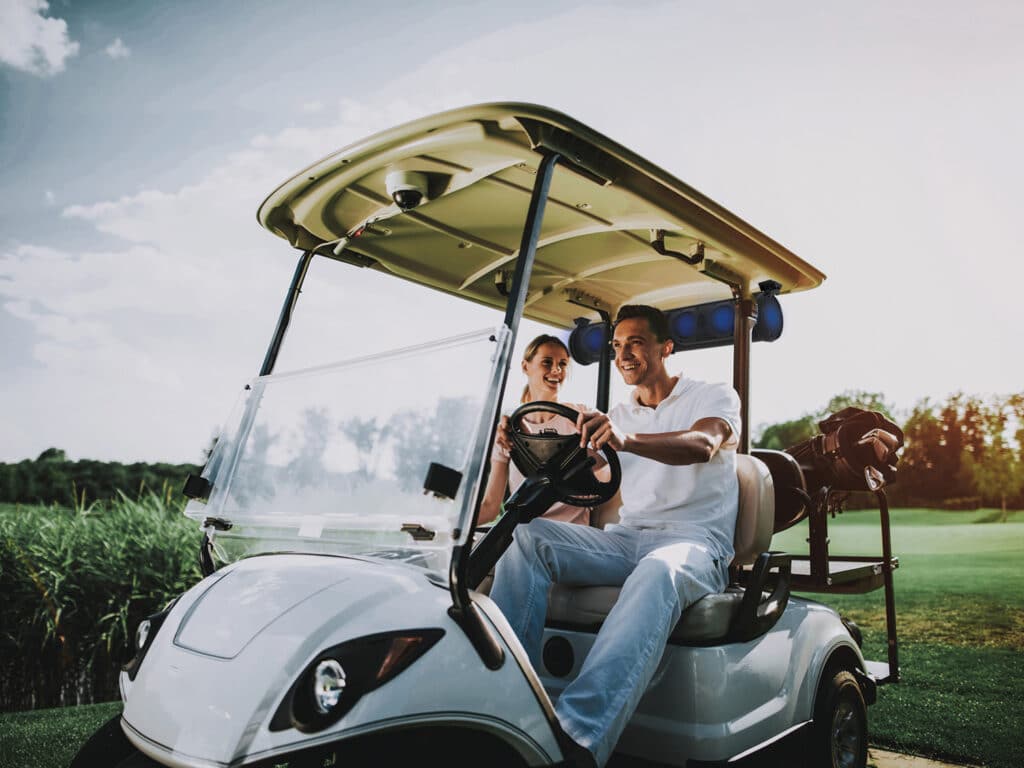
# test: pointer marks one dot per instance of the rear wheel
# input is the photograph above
(839, 732)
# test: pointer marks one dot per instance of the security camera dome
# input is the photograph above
(407, 198)
(407, 188)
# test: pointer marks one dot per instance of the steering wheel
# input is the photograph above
(561, 459)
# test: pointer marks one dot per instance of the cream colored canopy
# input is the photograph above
(605, 207)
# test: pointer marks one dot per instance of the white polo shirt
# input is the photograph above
(699, 501)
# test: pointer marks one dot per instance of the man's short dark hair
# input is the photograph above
(655, 318)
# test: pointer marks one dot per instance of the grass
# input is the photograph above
(959, 581)
(960, 614)
(49, 737)
(75, 584)
(960, 617)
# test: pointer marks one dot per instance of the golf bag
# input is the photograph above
(856, 451)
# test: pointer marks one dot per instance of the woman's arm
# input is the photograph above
(606, 513)
(495, 492)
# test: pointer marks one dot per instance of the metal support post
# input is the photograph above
(604, 367)
(743, 326)
(459, 570)
(286, 313)
(890, 599)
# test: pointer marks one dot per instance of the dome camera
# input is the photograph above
(407, 188)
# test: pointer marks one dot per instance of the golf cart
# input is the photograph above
(343, 618)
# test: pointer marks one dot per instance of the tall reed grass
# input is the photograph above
(75, 583)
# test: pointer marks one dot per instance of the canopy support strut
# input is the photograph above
(463, 610)
(286, 313)
(743, 327)
(604, 366)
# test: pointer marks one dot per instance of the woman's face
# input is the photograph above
(546, 371)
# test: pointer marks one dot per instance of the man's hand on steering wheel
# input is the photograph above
(565, 462)
(598, 430)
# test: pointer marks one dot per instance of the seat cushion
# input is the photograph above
(585, 608)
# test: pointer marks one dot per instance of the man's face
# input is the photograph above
(639, 356)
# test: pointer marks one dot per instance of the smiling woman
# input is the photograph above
(546, 366)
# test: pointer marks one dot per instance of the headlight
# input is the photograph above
(339, 676)
(142, 634)
(328, 685)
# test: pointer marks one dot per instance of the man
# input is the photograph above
(676, 438)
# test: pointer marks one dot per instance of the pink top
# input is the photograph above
(563, 426)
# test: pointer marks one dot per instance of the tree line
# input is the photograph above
(960, 453)
(52, 479)
(963, 452)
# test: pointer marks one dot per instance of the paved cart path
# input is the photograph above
(883, 759)
(877, 758)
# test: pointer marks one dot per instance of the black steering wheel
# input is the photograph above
(560, 458)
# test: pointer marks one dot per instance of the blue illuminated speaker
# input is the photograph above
(769, 318)
(705, 325)
(587, 340)
(711, 324)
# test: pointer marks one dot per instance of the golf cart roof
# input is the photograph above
(617, 229)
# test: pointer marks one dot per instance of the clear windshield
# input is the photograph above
(333, 459)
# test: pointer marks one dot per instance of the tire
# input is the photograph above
(110, 748)
(839, 731)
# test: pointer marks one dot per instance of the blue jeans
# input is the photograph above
(660, 573)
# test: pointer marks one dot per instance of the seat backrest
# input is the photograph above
(791, 499)
(756, 517)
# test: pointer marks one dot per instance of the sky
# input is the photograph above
(880, 141)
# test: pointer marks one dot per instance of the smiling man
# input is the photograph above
(672, 545)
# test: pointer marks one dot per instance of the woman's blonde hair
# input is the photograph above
(531, 350)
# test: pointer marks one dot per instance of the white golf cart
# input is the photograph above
(341, 619)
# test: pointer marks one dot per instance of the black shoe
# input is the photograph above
(574, 754)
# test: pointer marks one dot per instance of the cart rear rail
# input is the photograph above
(820, 572)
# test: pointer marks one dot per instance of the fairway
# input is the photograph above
(959, 580)
(960, 618)
(960, 615)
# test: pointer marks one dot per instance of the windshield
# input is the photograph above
(333, 459)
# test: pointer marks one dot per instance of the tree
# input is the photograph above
(919, 467)
(52, 454)
(365, 435)
(10, 490)
(996, 467)
(779, 437)
(307, 467)
(856, 398)
(420, 438)
(786, 434)
(998, 476)
(940, 438)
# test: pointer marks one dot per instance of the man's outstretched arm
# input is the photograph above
(695, 445)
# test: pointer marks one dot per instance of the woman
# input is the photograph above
(546, 364)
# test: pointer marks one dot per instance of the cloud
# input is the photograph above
(118, 50)
(49, 198)
(175, 314)
(32, 42)
(150, 335)
(313, 107)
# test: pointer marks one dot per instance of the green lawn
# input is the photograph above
(960, 605)
(49, 737)
(960, 617)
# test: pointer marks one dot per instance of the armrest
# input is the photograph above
(757, 616)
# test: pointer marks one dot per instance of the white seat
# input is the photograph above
(711, 617)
